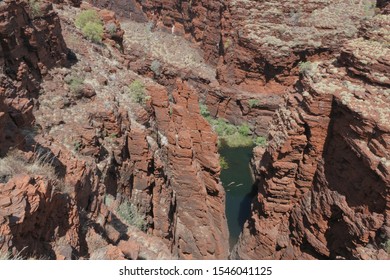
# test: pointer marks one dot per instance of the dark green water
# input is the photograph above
(238, 182)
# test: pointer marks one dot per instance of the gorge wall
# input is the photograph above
(79, 155)
(255, 46)
(323, 181)
(91, 157)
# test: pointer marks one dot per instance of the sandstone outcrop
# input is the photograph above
(256, 46)
(26, 54)
(104, 153)
(156, 159)
(34, 216)
(323, 184)
(37, 45)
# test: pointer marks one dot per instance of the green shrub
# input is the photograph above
(223, 163)
(238, 140)
(231, 135)
(93, 31)
(129, 213)
(91, 25)
(87, 16)
(261, 141)
(223, 128)
(253, 103)
(244, 129)
(204, 111)
(137, 91)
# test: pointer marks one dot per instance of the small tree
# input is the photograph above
(244, 129)
(253, 103)
(223, 163)
(261, 141)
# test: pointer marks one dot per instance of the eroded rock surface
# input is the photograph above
(324, 178)
(110, 151)
(116, 161)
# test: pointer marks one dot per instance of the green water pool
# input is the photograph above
(238, 183)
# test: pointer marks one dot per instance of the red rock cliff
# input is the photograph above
(323, 185)
(112, 158)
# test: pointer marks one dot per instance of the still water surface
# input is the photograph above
(238, 182)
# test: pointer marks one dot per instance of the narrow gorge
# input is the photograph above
(194, 129)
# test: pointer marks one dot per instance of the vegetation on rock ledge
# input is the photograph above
(129, 213)
(231, 135)
(91, 25)
(137, 92)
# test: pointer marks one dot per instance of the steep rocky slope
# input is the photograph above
(323, 181)
(111, 158)
(104, 153)
(255, 45)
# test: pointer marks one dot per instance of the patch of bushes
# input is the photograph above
(204, 111)
(138, 93)
(91, 25)
(93, 31)
(131, 215)
(231, 135)
(261, 141)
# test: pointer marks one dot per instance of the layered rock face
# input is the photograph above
(26, 54)
(121, 165)
(31, 209)
(254, 42)
(256, 46)
(194, 167)
(324, 179)
(265, 40)
(43, 46)
(130, 178)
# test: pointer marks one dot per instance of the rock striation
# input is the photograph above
(112, 157)
(104, 153)
(323, 181)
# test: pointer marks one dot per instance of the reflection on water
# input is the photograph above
(238, 182)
